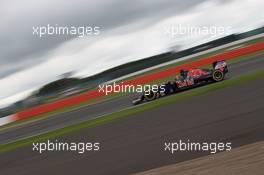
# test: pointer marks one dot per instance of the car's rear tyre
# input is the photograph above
(218, 75)
(151, 96)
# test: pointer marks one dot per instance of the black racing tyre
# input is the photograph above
(218, 75)
(151, 96)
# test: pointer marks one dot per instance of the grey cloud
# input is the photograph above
(20, 49)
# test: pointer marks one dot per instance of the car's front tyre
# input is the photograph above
(150, 95)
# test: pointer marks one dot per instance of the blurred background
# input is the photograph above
(134, 35)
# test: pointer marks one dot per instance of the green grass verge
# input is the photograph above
(134, 110)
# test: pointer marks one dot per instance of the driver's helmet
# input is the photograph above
(183, 73)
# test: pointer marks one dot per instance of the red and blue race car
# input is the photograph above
(185, 80)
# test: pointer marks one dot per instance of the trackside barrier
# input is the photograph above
(31, 112)
(7, 119)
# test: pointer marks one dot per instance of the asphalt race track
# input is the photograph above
(136, 143)
(99, 109)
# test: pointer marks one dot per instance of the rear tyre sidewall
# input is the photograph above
(218, 75)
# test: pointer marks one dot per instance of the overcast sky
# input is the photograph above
(129, 30)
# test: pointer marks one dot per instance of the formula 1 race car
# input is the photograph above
(185, 80)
